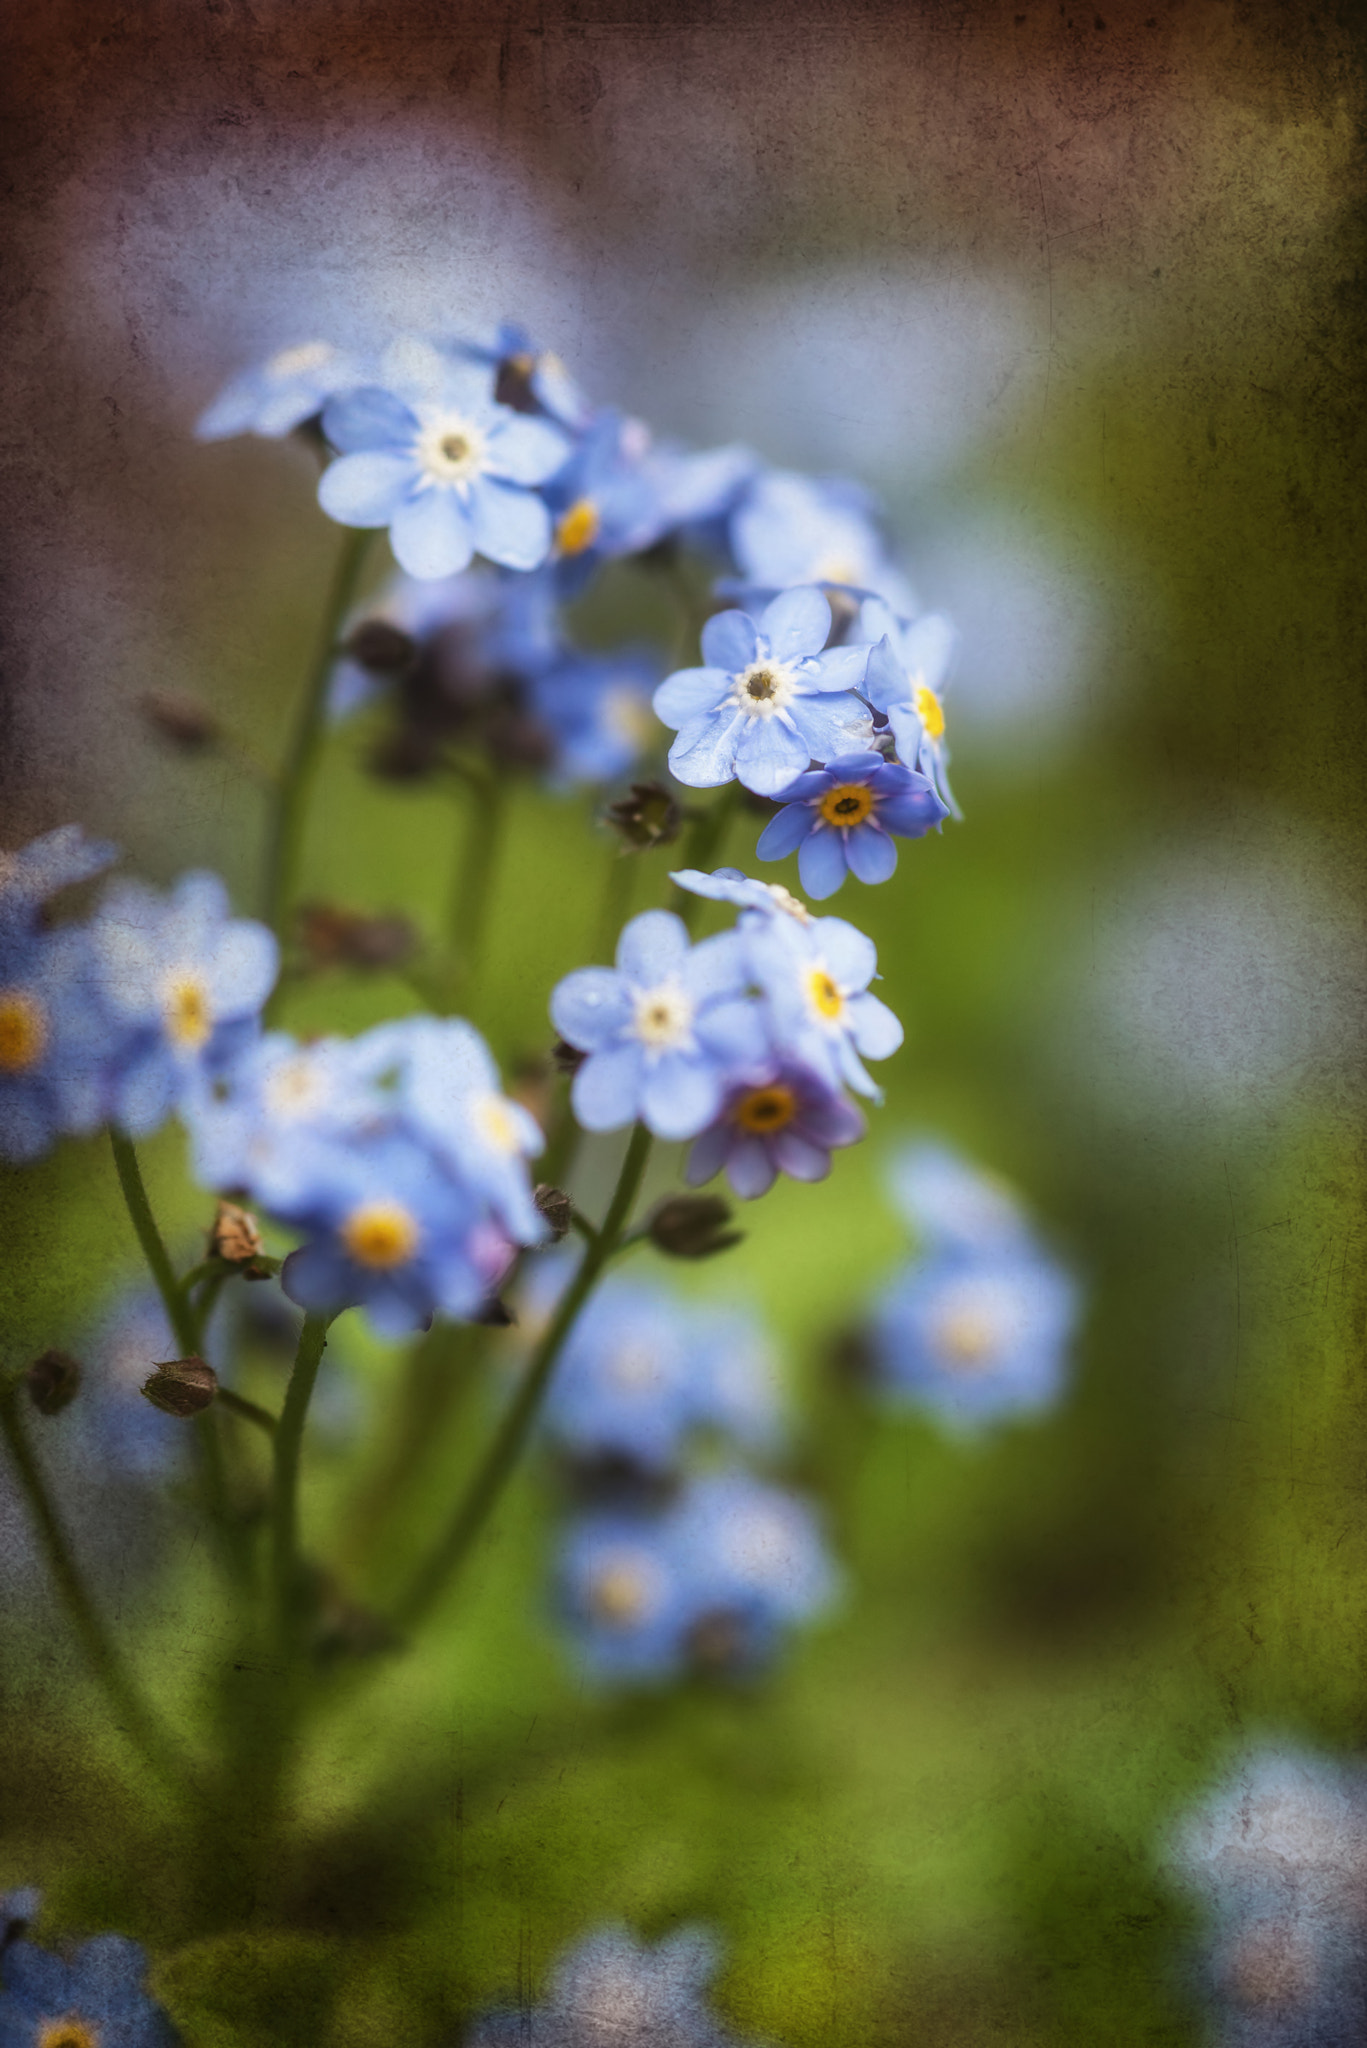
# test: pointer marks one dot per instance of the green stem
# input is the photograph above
(473, 1511)
(618, 886)
(703, 843)
(250, 1411)
(284, 1501)
(132, 1713)
(480, 843)
(290, 797)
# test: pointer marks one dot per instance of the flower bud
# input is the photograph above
(333, 937)
(555, 1205)
(385, 649)
(566, 1058)
(692, 1226)
(495, 1314)
(52, 1381)
(648, 817)
(181, 720)
(234, 1235)
(181, 1387)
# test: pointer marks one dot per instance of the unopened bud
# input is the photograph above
(648, 817)
(333, 937)
(234, 1235)
(555, 1205)
(566, 1058)
(182, 720)
(181, 1387)
(494, 1315)
(52, 1381)
(513, 383)
(377, 645)
(692, 1226)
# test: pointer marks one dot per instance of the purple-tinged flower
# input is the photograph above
(768, 700)
(432, 456)
(611, 1991)
(815, 974)
(183, 981)
(906, 677)
(529, 379)
(598, 708)
(55, 861)
(787, 1119)
(790, 529)
(841, 819)
(278, 395)
(665, 1030)
(57, 1044)
(952, 1205)
(977, 1335)
(97, 1999)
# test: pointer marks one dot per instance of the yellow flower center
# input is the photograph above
(578, 528)
(966, 1339)
(664, 1017)
(23, 1031)
(294, 1089)
(837, 569)
(849, 803)
(494, 1120)
(186, 1004)
(380, 1235)
(766, 1109)
(930, 711)
(70, 2032)
(826, 997)
(621, 1594)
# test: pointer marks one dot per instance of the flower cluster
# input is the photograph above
(1277, 1858)
(610, 1990)
(978, 1323)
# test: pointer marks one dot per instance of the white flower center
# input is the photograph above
(294, 1089)
(450, 449)
(664, 1017)
(763, 689)
(633, 1368)
(626, 716)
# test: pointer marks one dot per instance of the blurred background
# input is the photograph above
(1080, 298)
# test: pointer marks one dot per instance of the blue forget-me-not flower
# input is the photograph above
(815, 974)
(664, 1030)
(841, 820)
(601, 501)
(30, 874)
(907, 670)
(611, 1991)
(255, 1124)
(528, 378)
(274, 397)
(790, 529)
(434, 457)
(97, 1999)
(598, 708)
(768, 699)
(952, 1205)
(56, 1042)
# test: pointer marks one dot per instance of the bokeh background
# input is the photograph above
(1080, 294)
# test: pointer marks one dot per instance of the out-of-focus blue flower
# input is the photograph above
(183, 980)
(611, 1991)
(528, 378)
(953, 1205)
(665, 1030)
(906, 678)
(786, 1119)
(602, 501)
(254, 1123)
(448, 1093)
(1277, 1856)
(977, 1335)
(390, 1230)
(694, 490)
(56, 1040)
(55, 861)
(712, 1583)
(790, 529)
(598, 707)
(841, 819)
(643, 1371)
(117, 1431)
(432, 456)
(98, 1999)
(815, 973)
(472, 601)
(274, 397)
(18, 1909)
(768, 699)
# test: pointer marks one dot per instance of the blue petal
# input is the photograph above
(526, 451)
(590, 1007)
(319, 1277)
(851, 956)
(928, 648)
(786, 831)
(769, 755)
(861, 767)
(39, 1979)
(916, 812)
(729, 641)
(907, 732)
(821, 863)
(876, 1031)
(432, 534)
(844, 668)
(797, 622)
(704, 753)
(885, 680)
(145, 1093)
(719, 966)
(871, 854)
(606, 1091)
(750, 1169)
(242, 970)
(831, 724)
(364, 490)
(689, 694)
(511, 525)
(679, 1096)
(368, 418)
(652, 948)
(734, 1032)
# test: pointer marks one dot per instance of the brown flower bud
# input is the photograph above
(52, 1381)
(566, 1058)
(333, 937)
(385, 649)
(181, 1387)
(648, 817)
(692, 1226)
(234, 1235)
(181, 720)
(495, 1314)
(555, 1205)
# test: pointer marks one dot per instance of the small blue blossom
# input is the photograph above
(627, 1596)
(768, 700)
(841, 819)
(254, 1124)
(952, 1205)
(278, 395)
(643, 1371)
(665, 1030)
(56, 1041)
(782, 1119)
(611, 1991)
(432, 456)
(977, 1335)
(116, 1429)
(528, 378)
(470, 602)
(98, 1999)
(602, 501)
(695, 489)
(390, 1230)
(790, 529)
(183, 981)
(55, 861)
(598, 707)
(907, 669)
(815, 974)
(729, 885)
